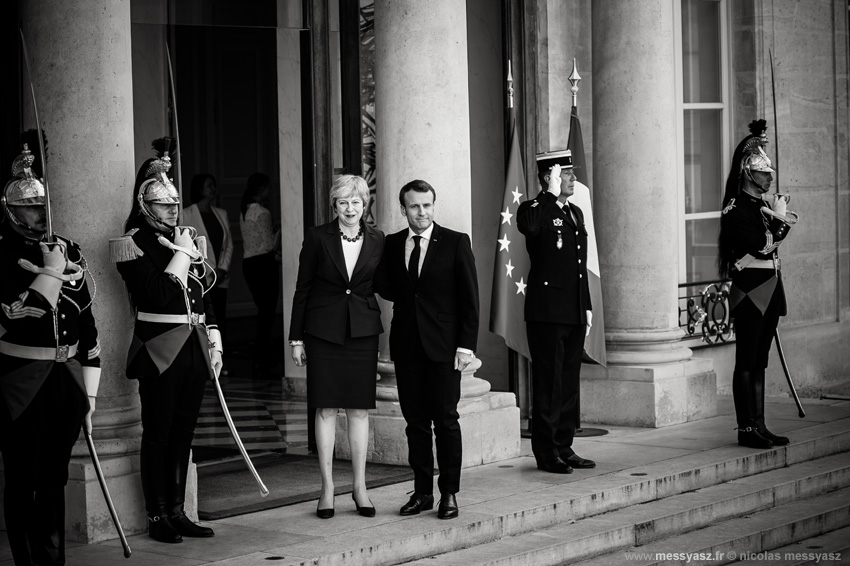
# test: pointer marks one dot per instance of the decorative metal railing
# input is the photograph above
(704, 312)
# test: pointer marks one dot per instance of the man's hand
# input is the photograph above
(462, 360)
(183, 237)
(589, 323)
(780, 204)
(215, 361)
(555, 180)
(53, 255)
(87, 421)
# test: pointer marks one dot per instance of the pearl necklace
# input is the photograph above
(355, 238)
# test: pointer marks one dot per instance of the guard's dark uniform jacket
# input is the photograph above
(27, 322)
(155, 344)
(43, 398)
(748, 230)
(557, 290)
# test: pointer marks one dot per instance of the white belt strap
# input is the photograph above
(195, 320)
(61, 354)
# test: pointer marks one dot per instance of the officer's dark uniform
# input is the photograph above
(44, 400)
(556, 301)
(748, 242)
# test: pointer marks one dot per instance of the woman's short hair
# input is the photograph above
(254, 186)
(347, 185)
(417, 185)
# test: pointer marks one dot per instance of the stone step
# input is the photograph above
(826, 549)
(746, 536)
(535, 511)
(629, 529)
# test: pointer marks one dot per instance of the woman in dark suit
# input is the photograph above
(336, 322)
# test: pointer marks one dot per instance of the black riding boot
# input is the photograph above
(154, 487)
(18, 505)
(758, 394)
(177, 497)
(47, 539)
(745, 411)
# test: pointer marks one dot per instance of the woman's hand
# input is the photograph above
(299, 355)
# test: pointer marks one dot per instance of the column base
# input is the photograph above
(489, 423)
(654, 395)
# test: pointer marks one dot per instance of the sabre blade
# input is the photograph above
(48, 213)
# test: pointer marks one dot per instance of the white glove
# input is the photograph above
(215, 361)
(555, 180)
(589, 323)
(87, 421)
(780, 204)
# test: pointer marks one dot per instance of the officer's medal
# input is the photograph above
(558, 222)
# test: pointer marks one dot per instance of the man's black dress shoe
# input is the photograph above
(418, 502)
(556, 466)
(160, 529)
(776, 440)
(183, 525)
(448, 506)
(577, 461)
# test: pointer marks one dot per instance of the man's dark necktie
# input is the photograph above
(413, 263)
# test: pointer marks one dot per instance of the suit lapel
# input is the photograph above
(370, 240)
(333, 245)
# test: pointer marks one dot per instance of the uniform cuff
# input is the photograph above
(465, 351)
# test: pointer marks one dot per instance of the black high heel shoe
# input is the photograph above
(324, 513)
(364, 511)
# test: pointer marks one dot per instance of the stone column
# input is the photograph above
(422, 118)
(651, 379)
(81, 67)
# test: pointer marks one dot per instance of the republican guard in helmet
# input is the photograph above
(176, 345)
(49, 363)
(752, 227)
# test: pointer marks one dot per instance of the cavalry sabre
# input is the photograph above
(779, 349)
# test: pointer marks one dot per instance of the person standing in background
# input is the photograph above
(260, 266)
(211, 222)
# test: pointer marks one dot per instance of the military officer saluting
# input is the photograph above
(751, 229)
(49, 364)
(557, 311)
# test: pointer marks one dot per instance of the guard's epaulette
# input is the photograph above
(729, 206)
(124, 248)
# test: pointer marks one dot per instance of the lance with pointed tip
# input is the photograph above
(47, 210)
(179, 164)
(574, 79)
(510, 86)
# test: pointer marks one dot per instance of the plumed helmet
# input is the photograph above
(24, 189)
(157, 188)
(757, 160)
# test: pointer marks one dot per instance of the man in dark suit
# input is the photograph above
(557, 311)
(428, 271)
